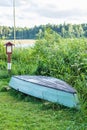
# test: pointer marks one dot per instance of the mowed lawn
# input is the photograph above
(23, 112)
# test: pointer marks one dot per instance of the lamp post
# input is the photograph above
(9, 49)
(14, 20)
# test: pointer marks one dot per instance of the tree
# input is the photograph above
(70, 30)
(63, 32)
(80, 29)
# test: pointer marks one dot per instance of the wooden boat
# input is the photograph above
(48, 88)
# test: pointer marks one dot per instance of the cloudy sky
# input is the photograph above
(38, 12)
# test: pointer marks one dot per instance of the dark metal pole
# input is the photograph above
(14, 20)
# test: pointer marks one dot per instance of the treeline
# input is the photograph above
(64, 30)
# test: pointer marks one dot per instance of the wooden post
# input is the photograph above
(9, 63)
(9, 49)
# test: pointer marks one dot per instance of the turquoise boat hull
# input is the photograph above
(47, 88)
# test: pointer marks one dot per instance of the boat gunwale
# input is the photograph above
(44, 85)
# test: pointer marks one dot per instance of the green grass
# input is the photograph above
(23, 112)
(65, 59)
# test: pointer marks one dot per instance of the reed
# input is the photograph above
(65, 59)
(53, 56)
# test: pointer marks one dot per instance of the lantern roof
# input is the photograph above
(9, 44)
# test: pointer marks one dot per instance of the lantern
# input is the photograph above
(9, 48)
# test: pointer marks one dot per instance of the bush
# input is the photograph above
(65, 59)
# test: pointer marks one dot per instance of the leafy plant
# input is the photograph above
(54, 56)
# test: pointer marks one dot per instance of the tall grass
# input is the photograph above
(53, 56)
(65, 59)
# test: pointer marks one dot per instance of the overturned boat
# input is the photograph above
(48, 88)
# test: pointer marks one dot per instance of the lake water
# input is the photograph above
(24, 45)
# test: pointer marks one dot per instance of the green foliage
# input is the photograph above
(2, 50)
(2, 60)
(65, 59)
(52, 56)
(23, 61)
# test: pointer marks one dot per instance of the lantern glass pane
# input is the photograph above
(8, 49)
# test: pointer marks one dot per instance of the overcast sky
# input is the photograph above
(38, 12)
